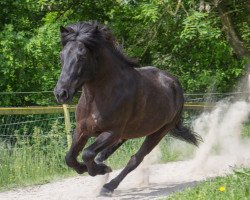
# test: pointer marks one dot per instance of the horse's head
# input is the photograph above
(82, 54)
(78, 63)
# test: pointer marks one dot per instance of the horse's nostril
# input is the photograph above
(64, 94)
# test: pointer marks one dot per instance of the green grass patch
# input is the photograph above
(246, 130)
(120, 158)
(231, 187)
(39, 157)
(32, 159)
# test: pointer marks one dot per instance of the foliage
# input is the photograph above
(172, 35)
(210, 60)
(231, 187)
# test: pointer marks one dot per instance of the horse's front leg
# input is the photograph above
(107, 152)
(79, 141)
(103, 141)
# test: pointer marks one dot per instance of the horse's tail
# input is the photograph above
(183, 133)
(180, 131)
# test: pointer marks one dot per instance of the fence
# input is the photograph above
(34, 140)
(22, 121)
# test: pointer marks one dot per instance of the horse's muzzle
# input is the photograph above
(63, 96)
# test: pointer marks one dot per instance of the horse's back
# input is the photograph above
(158, 75)
(163, 82)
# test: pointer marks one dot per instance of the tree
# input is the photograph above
(186, 38)
(237, 36)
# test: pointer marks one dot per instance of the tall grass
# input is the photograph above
(39, 158)
(33, 159)
(34, 152)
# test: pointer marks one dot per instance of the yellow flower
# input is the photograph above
(222, 189)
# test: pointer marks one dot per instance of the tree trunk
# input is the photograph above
(234, 40)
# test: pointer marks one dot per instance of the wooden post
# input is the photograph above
(67, 124)
(248, 87)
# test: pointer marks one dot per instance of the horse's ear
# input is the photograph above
(63, 30)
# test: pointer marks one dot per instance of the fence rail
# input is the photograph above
(24, 121)
(59, 109)
(33, 110)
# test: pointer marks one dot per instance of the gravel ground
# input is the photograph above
(147, 182)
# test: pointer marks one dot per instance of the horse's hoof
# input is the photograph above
(103, 169)
(100, 169)
(108, 170)
(106, 192)
(81, 171)
(82, 168)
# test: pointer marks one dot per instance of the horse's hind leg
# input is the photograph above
(106, 153)
(103, 141)
(79, 141)
(150, 142)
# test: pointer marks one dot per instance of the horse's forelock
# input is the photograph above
(94, 35)
(89, 33)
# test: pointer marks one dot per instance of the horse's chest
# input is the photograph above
(94, 118)
(90, 123)
(94, 124)
(105, 115)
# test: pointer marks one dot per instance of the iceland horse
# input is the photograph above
(118, 101)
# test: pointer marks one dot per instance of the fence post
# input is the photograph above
(67, 124)
(248, 82)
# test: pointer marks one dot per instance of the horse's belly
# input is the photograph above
(149, 123)
(141, 131)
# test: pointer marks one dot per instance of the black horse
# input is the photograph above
(118, 101)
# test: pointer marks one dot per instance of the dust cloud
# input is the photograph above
(224, 147)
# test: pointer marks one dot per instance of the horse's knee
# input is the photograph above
(88, 155)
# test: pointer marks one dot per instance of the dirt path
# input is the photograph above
(144, 183)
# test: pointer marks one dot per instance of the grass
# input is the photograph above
(231, 187)
(34, 153)
(33, 160)
(246, 130)
(39, 158)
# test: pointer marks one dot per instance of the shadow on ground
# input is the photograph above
(152, 191)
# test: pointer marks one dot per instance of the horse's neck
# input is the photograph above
(110, 75)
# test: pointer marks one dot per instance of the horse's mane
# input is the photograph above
(94, 35)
